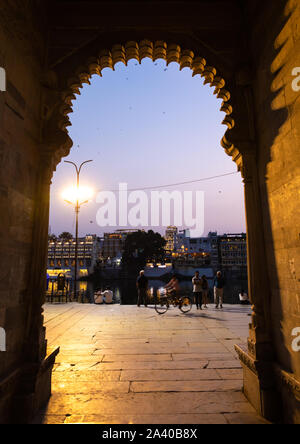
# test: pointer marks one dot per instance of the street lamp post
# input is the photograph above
(77, 210)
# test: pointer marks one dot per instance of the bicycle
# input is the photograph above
(164, 300)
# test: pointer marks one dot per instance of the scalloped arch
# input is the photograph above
(138, 51)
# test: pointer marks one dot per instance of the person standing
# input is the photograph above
(205, 288)
(142, 287)
(47, 281)
(197, 290)
(219, 284)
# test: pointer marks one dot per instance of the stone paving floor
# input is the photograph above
(120, 365)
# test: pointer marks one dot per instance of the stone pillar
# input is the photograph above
(35, 380)
(258, 358)
(258, 276)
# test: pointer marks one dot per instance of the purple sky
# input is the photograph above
(149, 125)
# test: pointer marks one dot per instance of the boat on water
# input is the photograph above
(185, 271)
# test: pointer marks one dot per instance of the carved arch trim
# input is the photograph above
(59, 104)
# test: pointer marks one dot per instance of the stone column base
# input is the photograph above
(26, 391)
(290, 393)
(8, 386)
(260, 385)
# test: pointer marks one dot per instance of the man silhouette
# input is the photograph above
(142, 287)
(219, 284)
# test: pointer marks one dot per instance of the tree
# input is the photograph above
(52, 238)
(142, 247)
(65, 236)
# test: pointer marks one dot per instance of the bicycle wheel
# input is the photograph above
(161, 305)
(185, 304)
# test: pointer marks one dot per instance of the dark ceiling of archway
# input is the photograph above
(213, 27)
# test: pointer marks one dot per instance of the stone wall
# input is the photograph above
(20, 121)
(275, 48)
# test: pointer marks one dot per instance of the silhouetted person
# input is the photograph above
(244, 298)
(142, 287)
(197, 290)
(47, 281)
(219, 284)
(98, 297)
(205, 288)
(173, 287)
(108, 296)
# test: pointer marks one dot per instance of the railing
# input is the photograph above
(67, 293)
(56, 294)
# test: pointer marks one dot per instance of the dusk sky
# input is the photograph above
(149, 125)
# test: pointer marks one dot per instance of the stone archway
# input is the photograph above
(255, 62)
(56, 144)
(57, 106)
(238, 142)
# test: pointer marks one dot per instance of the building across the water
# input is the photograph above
(61, 256)
(227, 252)
(201, 248)
(171, 239)
(113, 244)
(233, 254)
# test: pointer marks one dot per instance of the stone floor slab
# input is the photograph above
(186, 386)
(148, 403)
(74, 387)
(136, 357)
(169, 375)
(201, 419)
(151, 365)
(200, 356)
(230, 373)
(120, 364)
(244, 418)
(225, 364)
(87, 376)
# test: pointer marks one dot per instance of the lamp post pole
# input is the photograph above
(77, 210)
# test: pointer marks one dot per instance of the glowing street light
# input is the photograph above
(73, 195)
(77, 196)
